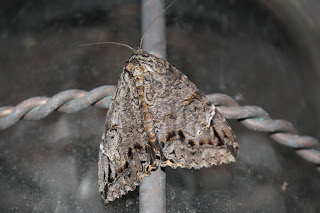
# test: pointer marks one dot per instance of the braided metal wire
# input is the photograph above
(252, 117)
(67, 101)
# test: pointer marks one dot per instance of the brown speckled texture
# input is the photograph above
(158, 111)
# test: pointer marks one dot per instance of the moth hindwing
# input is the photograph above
(158, 113)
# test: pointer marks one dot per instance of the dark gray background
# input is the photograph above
(259, 52)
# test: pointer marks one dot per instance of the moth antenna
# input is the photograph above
(140, 46)
(108, 42)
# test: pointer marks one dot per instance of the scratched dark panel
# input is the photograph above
(263, 57)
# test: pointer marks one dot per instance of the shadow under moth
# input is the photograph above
(158, 117)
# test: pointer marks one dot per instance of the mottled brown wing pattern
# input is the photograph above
(191, 132)
(157, 112)
(124, 151)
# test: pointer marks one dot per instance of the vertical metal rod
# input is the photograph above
(152, 190)
(155, 38)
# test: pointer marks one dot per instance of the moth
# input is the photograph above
(158, 118)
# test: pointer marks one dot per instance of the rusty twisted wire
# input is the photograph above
(252, 117)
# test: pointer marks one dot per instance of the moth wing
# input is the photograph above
(124, 151)
(191, 131)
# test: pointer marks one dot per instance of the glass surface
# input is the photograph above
(258, 56)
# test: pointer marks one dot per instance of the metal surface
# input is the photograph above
(252, 117)
(152, 190)
(154, 40)
(67, 101)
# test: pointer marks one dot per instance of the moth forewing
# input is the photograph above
(157, 112)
